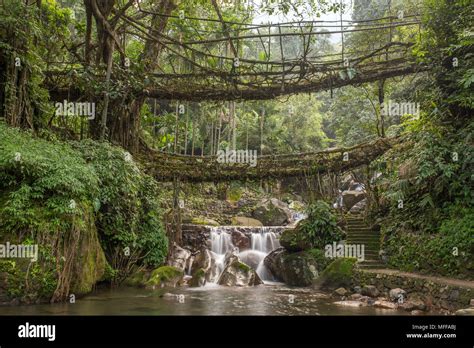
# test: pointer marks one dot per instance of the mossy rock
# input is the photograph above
(237, 273)
(245, 221)
(137, 279)
(198, 278)
(204, 221)
(293, 240)
(89, 265)
(165, 276)
(296, 269)
(337, 274)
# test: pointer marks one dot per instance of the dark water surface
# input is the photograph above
(268, 299)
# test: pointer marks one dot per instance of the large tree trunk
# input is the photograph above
(122, 117)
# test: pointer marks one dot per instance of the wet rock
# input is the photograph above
(408, 306)
(357, 289)
(367, 299)
(337, 274)
(272, 212)
(418, 304)
(385, 304)
(355, 296)
(198, 278)
(297, 269)
(349, 303)
(397, 294)
(370, 290)
(165, 276)
(416, 312)
(180, 257)
(237, 273)
(347, 181)
(240, 240)
(245, 221)
(465, 311)
(340, 291)
(350, 198)
(358, 207)
(294, 240)
(203, 261)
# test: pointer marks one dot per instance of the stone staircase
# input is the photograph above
(359, 233)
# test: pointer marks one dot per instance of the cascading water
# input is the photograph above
(263, 240)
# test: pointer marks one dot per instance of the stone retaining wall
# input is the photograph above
(436, 295)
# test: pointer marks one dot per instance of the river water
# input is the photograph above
(268, 299)
(271, 298)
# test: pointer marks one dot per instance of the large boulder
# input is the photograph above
(337, 274)
(351, 198)
(165, 276)
(237, 273)
(245, 221)
(272, 212)
(180, 257)
(294, 240)
(370, 290)
(297, 269)
(204, 221)
(198, 278)
(359, 206)
(89, 264)
(203, 262)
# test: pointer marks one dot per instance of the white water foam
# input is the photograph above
(263, 241)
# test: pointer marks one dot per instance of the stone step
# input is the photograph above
(363, 240)
(362, 233)
(369, 263)
(372, 266)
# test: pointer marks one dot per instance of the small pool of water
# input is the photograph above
(268, 299)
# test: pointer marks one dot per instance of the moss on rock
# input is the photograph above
(294, 240)
(165, 276)
(337, 274)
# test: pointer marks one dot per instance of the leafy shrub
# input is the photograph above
(448, 252)
(128, 211)
(320, 228)
(57, 195)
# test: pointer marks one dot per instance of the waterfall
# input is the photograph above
(263, 240)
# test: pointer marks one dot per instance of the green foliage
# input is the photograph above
(320, 228)
(43, 184)
(338, 273)
(448, 252)
(437, 191)
(128, 210)
(162, 275)
(52, 193)
(40, 281)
